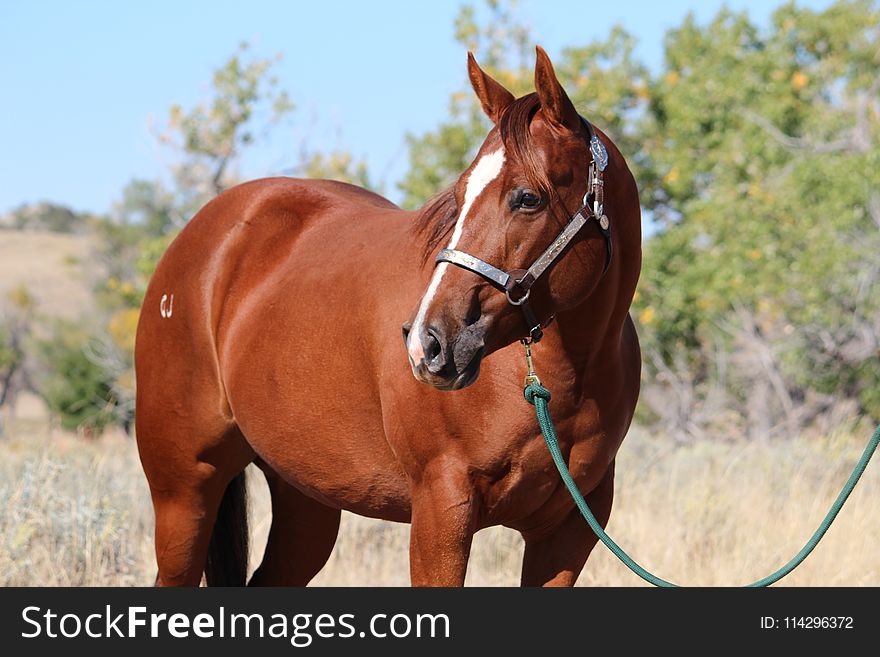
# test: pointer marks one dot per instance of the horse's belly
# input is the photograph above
(340, 463)
(313, 424)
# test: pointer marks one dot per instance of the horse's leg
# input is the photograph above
(184, 520)
(556, 559)
(443, 525)
(187, 477)
(301, 538)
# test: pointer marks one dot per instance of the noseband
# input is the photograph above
(517, 283)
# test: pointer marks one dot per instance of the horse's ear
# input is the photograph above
(493, 97)
(555, 103)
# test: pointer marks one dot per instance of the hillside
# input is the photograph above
(54, 267)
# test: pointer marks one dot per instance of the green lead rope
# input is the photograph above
(539, 397)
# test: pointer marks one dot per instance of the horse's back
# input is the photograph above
(240, 228)
(277, 205)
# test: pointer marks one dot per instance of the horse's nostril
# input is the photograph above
(407, 327)
(432, 346)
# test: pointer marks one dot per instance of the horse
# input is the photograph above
(270, 334)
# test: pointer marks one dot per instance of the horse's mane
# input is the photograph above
(436, 219)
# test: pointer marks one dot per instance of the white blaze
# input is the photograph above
(485, 171)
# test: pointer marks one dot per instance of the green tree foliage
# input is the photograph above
(149, 207)
(338, 165)
(765, 144)
(77, 387)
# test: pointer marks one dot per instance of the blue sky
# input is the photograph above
(81, 80)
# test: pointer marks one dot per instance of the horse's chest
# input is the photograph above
(529, 491)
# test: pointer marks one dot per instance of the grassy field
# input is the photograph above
(76, 512)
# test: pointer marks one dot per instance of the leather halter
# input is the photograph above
(517, 283)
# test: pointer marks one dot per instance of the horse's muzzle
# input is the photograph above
(445, 364)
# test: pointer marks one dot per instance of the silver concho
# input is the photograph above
(600, 155)
(603, 222)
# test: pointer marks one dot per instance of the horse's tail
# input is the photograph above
(228, 552)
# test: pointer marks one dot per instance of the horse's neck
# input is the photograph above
(592, 330)
(583, 338)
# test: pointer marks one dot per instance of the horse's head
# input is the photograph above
(528, 180)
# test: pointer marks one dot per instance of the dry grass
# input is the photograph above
(72, 512)
(78, 513)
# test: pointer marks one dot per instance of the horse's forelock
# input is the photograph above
(517, 140)
(437, 217)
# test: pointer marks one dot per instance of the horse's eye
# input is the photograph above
(529, 200)
(526, 198)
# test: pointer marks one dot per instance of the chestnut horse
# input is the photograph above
(270, 334)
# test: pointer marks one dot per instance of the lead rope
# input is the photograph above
(539, 397)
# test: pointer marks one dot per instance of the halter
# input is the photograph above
(517, 283)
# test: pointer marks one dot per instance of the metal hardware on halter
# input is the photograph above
(536, 333)
(597, 184)
(525, 279)
(598, 193)
(531, 377)
(597, 150)
(517, 302)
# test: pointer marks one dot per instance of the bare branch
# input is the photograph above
(874, 208)
(802, 143)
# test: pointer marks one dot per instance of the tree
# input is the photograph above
(76, 385)
(337, 165)
(150, 207)
(16, 329)
(245, 103)
(765, 144)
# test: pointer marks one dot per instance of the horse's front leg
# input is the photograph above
(556, 558)
(443, 523)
